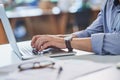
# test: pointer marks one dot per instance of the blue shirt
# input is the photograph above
(105, 30)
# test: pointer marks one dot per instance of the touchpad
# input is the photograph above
(56, 52)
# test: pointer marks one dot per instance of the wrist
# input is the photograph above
(68, 40)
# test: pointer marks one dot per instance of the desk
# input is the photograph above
(108, 74)
(7, 57)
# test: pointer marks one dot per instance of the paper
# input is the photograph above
(71, 70)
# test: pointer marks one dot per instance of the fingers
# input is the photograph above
(53, 44)
(38, 41)
(34, 40)
(41, 42)
(46, 45)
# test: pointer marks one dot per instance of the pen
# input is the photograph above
(59, 73)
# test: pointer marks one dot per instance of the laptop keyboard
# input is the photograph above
(26, 49)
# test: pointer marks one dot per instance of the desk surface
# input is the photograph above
(108, 74)
(7, 57)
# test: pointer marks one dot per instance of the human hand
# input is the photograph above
(41, 42)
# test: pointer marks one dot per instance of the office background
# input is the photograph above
(32, 17)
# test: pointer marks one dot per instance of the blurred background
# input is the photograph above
(33, 17)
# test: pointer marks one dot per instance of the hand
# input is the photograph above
(41, 42)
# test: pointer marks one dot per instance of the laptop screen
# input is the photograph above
(8, 29)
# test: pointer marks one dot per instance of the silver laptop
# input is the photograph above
(24, 49)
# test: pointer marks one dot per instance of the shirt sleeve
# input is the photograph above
(95, 27)
(106, 43)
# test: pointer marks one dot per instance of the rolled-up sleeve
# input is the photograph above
(97, 43)
(106, 43)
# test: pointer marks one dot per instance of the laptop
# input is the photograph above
(24, 50)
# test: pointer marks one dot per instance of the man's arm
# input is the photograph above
(82, 44)
(100, 43)
(41, 42)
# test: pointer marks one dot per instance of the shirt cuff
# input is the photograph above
(97, 43)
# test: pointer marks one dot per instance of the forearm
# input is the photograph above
(62, 35)
(82, 44)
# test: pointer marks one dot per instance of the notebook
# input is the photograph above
(24, 50)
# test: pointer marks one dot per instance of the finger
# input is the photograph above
(34, 40)
(54, 44)
(42, 41)
(40, 44)
(36, 44)
(46, 45)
